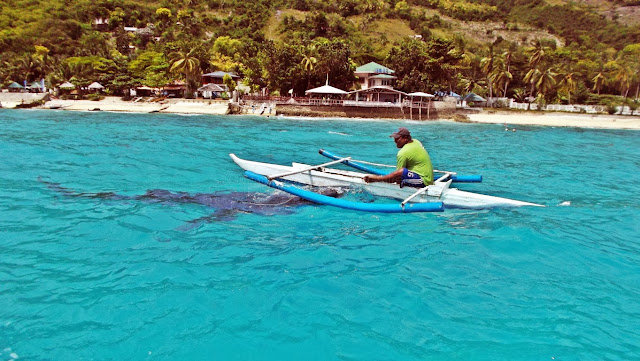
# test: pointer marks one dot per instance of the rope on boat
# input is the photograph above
(393, 166)
(371, 163)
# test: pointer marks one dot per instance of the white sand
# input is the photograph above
(557, 119)
(218, 107)
(115, 104)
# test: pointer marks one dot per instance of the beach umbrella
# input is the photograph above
(35, 86)
(66, 85)
(15, 85)
(211, 88)
(95, 85)
(326, 89)
(421, 95)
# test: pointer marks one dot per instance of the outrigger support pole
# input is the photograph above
(422, 190)
(302, 170)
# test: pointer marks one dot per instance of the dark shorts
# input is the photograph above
(411, 179)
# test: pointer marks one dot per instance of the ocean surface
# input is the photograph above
(135, 237)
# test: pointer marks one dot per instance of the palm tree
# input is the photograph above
(536, 59)
(486, 65)
(501, 76)
(308, 60)
(474, 77)
(568, 84)
(532, 78)
(519, 95)
(630, 56)
(598, 81)
(537, 53)
(455, 71)
(61, 71)
(622, 76)
(185, 62)
(507, 75)
(636, 78)
(31, 66)
(547, 81)
(469, 84)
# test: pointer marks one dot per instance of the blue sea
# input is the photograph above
(135, 237)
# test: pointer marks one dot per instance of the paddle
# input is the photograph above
(314, 167)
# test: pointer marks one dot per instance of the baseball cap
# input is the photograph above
(402, 131)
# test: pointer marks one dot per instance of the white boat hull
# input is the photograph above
(331, 177)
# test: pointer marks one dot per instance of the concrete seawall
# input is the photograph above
(351, 112)
(13, 100)
(440, 109)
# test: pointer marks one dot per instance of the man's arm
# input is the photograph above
(393, 177)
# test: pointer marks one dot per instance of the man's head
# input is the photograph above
(401, 137)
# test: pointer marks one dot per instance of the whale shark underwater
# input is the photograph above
(225, 205)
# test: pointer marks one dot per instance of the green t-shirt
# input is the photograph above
(415, 158)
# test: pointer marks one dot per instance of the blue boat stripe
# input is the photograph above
(341, 203)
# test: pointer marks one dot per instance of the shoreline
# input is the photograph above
(115, 104)
(485, 116)
(556, 119)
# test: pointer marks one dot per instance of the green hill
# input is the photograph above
(555, 49)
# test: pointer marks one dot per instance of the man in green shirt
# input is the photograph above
(413, 167)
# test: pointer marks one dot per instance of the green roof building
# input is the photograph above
(374, 75)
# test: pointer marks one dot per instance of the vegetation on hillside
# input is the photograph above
(298, 44)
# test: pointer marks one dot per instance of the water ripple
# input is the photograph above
(124, 277)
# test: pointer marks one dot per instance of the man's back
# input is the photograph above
(415, 158)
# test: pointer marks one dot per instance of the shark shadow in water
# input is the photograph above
(225, 205)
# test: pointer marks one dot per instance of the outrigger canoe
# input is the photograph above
(436, 195)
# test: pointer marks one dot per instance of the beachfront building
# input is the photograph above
(376, 97)
(374, 75)
(65, 88)
(376, 84)
(217, 78)
(211, 91)
(144, 91)
(36, 87)
(96, 87)
(15, 88)
(174, 90)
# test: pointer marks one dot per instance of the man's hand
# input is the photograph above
(369, 179)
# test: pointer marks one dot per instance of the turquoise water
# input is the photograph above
(86, 274)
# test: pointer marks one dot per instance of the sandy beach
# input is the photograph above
(557, 119)
(219, 107)
(510, 118)
(115, 104)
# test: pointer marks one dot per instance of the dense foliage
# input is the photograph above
(297, 44)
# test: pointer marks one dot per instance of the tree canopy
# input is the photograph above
(299, 44)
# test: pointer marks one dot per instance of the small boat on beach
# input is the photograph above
(436, 196)
(58, 106)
